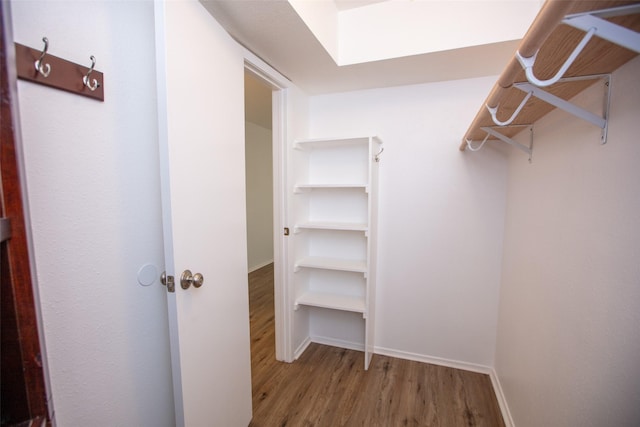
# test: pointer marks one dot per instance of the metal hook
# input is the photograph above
(494, 110)
(377, 156)
(527, 63)
(91, 85)
(479, 146)
(46, 68)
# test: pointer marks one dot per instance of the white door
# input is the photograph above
(201, 134)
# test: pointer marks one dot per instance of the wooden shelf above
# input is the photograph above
(599, 57)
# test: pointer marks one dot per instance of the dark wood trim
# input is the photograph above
(16, 274)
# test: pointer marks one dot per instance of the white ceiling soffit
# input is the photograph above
(273, 30)
(351, 4)
(393, 29)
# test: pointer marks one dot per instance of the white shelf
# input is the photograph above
(332, 264)
(330, 142)
(339, 226)
(335, 302)
(338, 186)
(334, 181)
(299, 188)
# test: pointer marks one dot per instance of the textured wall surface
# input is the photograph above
(93, 184)
(568, 340)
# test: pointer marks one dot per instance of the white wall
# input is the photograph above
(259, 178)
(568, 340)
(441, 217)
(93, 184)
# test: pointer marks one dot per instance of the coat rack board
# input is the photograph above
(58, 73)
(550, 43)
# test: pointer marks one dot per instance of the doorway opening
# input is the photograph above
(260, 215)
(258, 171)
(275, 91)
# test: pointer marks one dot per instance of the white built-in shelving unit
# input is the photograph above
(334, 230)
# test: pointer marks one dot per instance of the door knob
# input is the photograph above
(187, 279)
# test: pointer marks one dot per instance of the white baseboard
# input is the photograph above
(502, 401)
(301, 348)
(337, 343)
(465, 366)
(259, 266)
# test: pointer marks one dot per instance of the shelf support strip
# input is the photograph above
(607, 30)
(601, 122)
(491, 131)
(506, 139)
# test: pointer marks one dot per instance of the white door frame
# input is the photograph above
(279, 85)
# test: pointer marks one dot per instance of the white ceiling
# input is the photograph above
(275, 32)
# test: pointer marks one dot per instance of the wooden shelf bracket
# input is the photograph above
(593, 24)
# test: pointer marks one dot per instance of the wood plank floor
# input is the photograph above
(327, 386)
